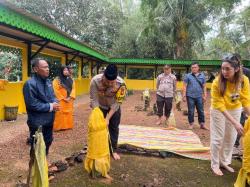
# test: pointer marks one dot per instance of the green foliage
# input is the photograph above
(94, 22)
(157, 29)
(126, 43)
(10, 63)
(141, 73)
(178, 23)
(233, 36)
(220, 5)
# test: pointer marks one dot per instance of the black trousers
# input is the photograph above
(243, 118)
(47, 136)
(114, 123)
(165, 102)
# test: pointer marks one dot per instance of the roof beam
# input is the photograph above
(40, 49)
(37, 41)
(73, 58)
(14, 37)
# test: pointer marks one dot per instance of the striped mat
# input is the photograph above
(181, 142)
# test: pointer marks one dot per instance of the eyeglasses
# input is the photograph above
(231, 58)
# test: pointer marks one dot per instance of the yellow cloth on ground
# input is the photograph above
(244, 173)
(98, 155)
(40, 166)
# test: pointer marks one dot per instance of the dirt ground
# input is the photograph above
(14, 153)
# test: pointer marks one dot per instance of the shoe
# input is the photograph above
(191, 127)
(217, 172)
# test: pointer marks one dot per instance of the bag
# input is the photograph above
(198, 82)
(121, 93)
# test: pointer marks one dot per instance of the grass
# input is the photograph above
(134, 170)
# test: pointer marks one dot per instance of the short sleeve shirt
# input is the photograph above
(194, 89)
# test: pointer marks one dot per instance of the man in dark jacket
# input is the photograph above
(40, 102)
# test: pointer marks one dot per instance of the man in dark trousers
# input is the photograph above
(194, 92)
(40, 102)
(103, 94)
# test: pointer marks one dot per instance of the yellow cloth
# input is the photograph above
(171, 120)
(225, 102)
(146, 94)
(98, 155)
(178, 96)
(121, 93)
(64, 117)
(244, 173)
(40, 166)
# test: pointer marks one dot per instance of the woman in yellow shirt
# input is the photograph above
(229, 93)
(64, 89)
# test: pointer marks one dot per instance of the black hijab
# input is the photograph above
(65, 81)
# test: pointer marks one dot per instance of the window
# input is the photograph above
(141, 73)
(10, 63)
(85, 70)
(121, 71)
(75, 66)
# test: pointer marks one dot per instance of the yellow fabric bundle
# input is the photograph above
(171, 120)
(244, 173)
(178, 96)
(40, 166)
(121, 93)
(98, 155)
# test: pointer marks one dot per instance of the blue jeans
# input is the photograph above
(198, 103)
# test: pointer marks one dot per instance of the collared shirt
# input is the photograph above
(103, 96)
(194, 89)
(166, 85)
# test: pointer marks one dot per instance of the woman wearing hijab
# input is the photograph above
(64, 89)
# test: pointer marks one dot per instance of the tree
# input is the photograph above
(182, 21)
(125, 45)
(10, 64)
(94, 22)
(233, 36)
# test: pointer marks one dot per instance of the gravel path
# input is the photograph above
(11, 130)
(14, 153)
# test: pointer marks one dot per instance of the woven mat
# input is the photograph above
(180, 142)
